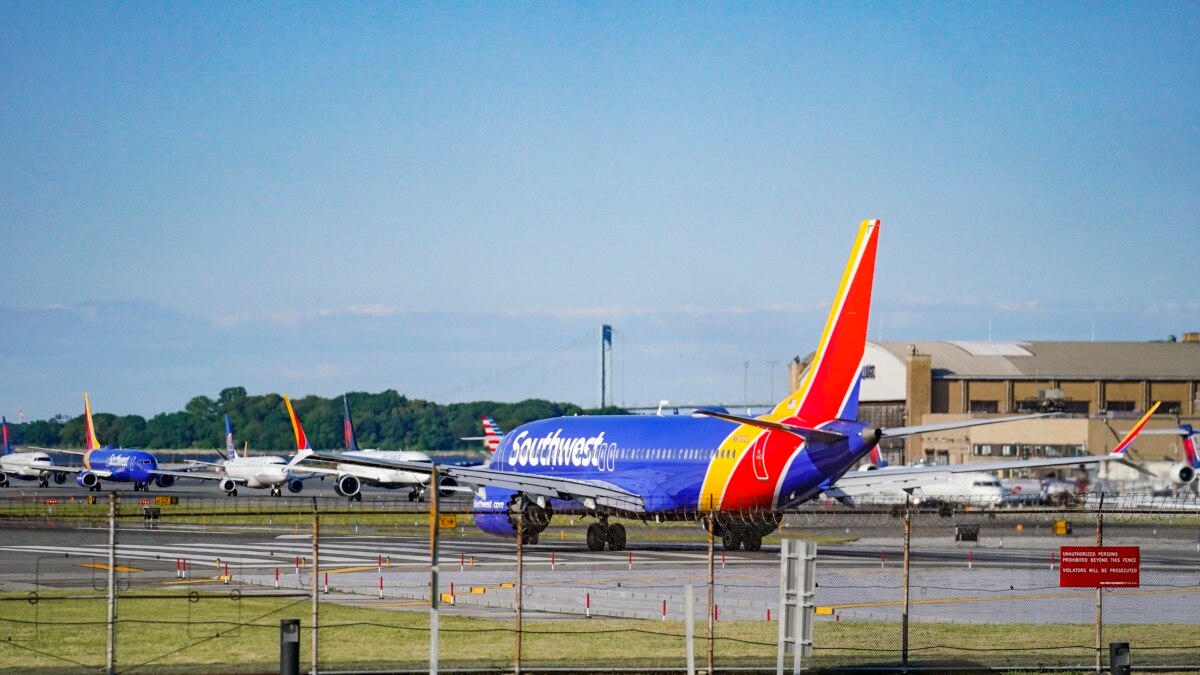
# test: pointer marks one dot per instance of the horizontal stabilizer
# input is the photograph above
(897, 432)
(811, 435)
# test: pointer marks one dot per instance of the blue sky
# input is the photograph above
(313, 198)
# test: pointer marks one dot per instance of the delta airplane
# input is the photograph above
(736, 473)
(119, 465)
(27, 465)
(351, 475)
(262, 471)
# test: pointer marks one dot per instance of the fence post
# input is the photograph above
(1099, 591)
(711, 584)
(520, 553)
(433, 570)
(111, 661)
(316, 533)
(907, 570)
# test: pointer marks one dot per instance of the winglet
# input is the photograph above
(301, 439)
(829, 384)
(348, 426)
(88, 425)
(7, 447)
(300, 457)
(1119, 451)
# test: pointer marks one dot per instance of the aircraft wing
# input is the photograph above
(590, 493)
(101, 473)
(198, 475)
(908, 477)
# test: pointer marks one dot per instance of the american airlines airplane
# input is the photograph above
(739, 473)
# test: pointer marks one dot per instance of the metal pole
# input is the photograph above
(433, 571)
(112, 584)
(1099, 591)
(316, 535)
(907, 570)
(711, 582)
(689, 605)
(520, 553)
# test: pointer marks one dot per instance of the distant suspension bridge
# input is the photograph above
(606, 367)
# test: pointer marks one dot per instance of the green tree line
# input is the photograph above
(387, 420)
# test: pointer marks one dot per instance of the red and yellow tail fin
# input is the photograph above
(89, 426)
(831, 380)
(301, 439)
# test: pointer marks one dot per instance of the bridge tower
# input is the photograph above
(605, 366)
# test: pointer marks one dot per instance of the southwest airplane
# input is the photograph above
(739, 473)
(27, 465)
(120, 465)
(352, 475)
(261, 471)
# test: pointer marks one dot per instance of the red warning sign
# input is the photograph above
(1099, 566)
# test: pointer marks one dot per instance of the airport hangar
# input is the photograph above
(1101, 388)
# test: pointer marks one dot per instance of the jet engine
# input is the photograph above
(87, 479)
(347, 486)
(1182, 474)
(164, 481)
(60, 477)
(228, 484)
(295, 485)
(446, 485)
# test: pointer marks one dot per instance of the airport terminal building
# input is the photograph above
(1101, 388)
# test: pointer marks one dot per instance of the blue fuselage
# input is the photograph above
(676, 463)
(122, 465)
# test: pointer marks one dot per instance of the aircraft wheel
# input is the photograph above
(753, 543)
(596, 537)
(412, 496)
(531, 539)
(42, 482)
(731, 540)
(233, 493)
(358, 497)
(616, 537)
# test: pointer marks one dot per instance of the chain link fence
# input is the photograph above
(201, 586)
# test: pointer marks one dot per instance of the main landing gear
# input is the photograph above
(602, 533)
(277, 491)
(417, 495)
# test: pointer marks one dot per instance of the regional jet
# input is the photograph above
(737, 474)
(260, 471)
(27, 465)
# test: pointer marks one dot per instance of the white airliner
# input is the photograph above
(262, 471)
(351, 477)
(27, 465)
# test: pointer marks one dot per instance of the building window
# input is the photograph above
(868, 372)
(1170, 407)
(1120, 406)
(985, 406)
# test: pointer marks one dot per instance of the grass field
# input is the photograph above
(219, 634)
